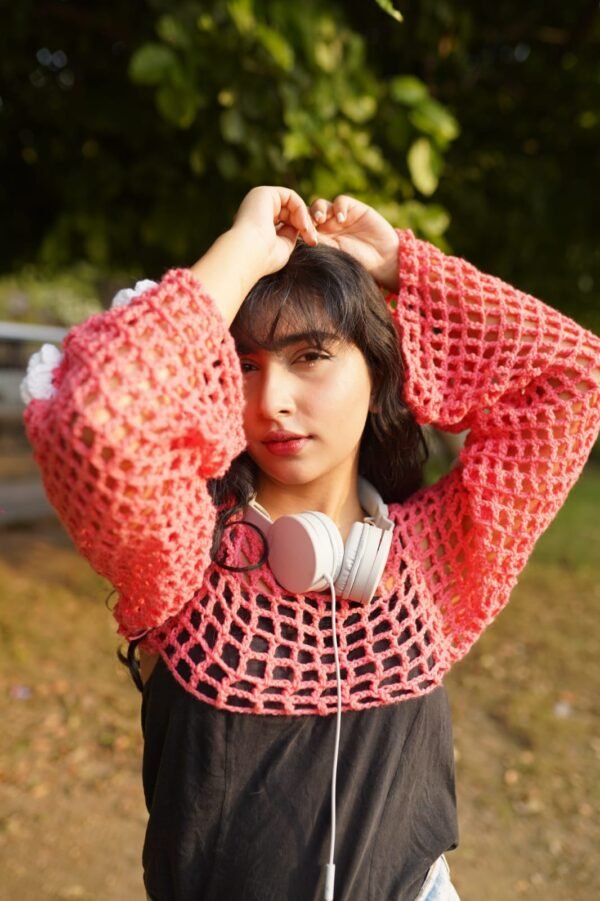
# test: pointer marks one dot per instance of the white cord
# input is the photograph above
(330, 867)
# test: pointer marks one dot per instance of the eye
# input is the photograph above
(312, 356)
(247, 366)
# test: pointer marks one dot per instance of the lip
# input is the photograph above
(285, 444)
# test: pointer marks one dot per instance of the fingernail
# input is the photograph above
(341, 217)
(319, 215)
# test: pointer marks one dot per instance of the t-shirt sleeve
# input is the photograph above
(147, 405)
(523, 380)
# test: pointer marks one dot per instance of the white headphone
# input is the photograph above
(306, 547)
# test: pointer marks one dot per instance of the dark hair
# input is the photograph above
(322, 286)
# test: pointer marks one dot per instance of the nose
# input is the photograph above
(275, 391)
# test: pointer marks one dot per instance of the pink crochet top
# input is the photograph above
(148, 405)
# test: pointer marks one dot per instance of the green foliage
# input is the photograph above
(273, 91)
(169, 122)
(130, 132)
(424, 165)
(390, 9)
(154, 64)
(522, 79)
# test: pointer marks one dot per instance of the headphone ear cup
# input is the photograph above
(327, 531)
(317, 549)
(351, 549)
(362, 584)
(379, 561)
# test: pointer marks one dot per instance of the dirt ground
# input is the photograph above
(526, 713)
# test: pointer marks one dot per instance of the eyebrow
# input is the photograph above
(319, 338)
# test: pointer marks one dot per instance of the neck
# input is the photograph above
(338, 501)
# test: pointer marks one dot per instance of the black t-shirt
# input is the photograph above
(240, 806)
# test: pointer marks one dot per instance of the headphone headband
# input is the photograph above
(305, 547)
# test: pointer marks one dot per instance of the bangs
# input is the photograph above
(318, 295)
(269, 322)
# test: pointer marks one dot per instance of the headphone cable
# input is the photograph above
(330, 866)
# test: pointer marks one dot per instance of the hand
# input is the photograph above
(276, 216)
(351, 225)
(260, 241)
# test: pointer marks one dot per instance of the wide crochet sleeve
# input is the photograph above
(523, 379)
(147, 405)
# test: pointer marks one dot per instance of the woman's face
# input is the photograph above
(306, 408)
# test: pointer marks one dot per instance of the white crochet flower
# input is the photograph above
(126, 295)
(37, 384)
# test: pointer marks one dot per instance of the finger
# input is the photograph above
(287, 232)
(289, 223)
(294, 215)
(299, 217)
(342, 206)
(321, 210)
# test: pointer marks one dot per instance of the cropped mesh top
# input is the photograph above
(147, 405)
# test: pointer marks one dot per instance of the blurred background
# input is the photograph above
(128, 135)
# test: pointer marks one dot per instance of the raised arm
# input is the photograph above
(524, 379)
(146, 405)
(484, 357)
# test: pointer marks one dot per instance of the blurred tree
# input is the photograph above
(73, 132)
(134, 130)
(128, 133)
(523, 80)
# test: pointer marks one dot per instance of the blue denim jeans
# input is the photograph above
(438, 885)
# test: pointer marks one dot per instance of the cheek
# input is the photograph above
(249, 413)
(346, 402)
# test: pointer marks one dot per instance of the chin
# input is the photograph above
(290, 476)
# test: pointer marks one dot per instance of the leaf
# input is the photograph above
(232, 126)
(435, 120)
(242, 15)
(276, 45)
(359, 109)
(173, 31)
(296, 145)
(328, 54)
(408, 89)
(226, 97)
(388, 7)
(423, 165)
(205, 22)
(152, 64)
(177, 106)
(434, 220)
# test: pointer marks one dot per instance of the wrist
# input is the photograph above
(387, 274)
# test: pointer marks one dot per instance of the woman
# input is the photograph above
(170, 446)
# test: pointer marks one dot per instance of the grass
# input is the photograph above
(527, 723)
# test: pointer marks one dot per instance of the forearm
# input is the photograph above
(230, 268)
